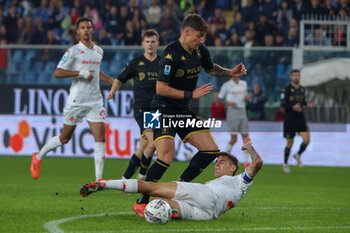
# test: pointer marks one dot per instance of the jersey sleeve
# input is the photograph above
(66, 62)
(167, 65)
(222, 92)
(128, 72)
(207, 62)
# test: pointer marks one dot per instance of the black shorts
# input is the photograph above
(138, 115)
(292, 126)
(169, 131)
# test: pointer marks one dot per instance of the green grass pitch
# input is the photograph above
(311, 199)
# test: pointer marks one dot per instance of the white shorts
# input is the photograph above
(74, 114)
(196, 201)
(237, 121)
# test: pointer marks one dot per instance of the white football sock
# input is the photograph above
(246, 156)
(100, 149)
(52, 144)
(128, 186)
(229, 148)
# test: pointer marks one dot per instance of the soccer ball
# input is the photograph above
(158, 212)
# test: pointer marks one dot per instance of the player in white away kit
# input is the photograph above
(195, 201)
(82, 63)
(233, 94)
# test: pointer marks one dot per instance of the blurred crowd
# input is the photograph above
(120, 22)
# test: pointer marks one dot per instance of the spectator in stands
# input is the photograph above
(46, 54)
(344, 4)
(43, 12)
(299, 9)
(284, 15)
(131, 38)
(68, 24)
(10, 23)
(320, 38)
(137, 18)
(3, 33)
(263, 27)
(293, 37)
(78, 5)
(2, 15)
(153, 14)
(20, 29)
(102, 37)
(279, 40)
(268, 60)
(219, 20)
(24, 36)
(250, 12)
(167, 27)
(211, 35)
(315, 11)
(92, 13)
(57, 14)
(175, 10)
(255, 105)
(119, 38)
(269, 8)
(38, 35)
(111, 23)
(248, 44)
(3, 61)
(234, 40)
(238, 25)
(339, 36)
(187, 7)
(331, 11)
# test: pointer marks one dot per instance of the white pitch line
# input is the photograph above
(53, 226)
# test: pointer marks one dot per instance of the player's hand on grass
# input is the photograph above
(297, 107)
(238, 70)
(202, 91)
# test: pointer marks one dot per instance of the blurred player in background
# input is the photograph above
(233, 94)
(179, 69)
(81, 63)
(292, 103)
(195, 201)
(144, 70)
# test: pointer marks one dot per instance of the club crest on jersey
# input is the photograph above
(167, 69)
(183, 58)
(141, 63)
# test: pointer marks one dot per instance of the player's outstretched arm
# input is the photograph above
(218, 71)
(115, 87)
(105, 78)
(257, 161)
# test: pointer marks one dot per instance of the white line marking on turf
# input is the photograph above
(52, 226)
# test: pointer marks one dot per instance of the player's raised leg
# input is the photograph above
(207, 150)
(98, 131)
(52, 144)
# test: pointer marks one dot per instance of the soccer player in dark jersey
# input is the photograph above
(144, 70)
(292, 102)
(179, 69)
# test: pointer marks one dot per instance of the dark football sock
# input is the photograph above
(302, 148)
(198, 163)
(154, 174)
(133, 165)
(145, 162)
(286, 154)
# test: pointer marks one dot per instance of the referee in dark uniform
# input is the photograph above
(179, 70)
(292, 103)
(144, 71)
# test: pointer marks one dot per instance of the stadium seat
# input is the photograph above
(31, 77)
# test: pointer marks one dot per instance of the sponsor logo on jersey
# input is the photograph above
(91, 62)
(82, 52)
(167, 69)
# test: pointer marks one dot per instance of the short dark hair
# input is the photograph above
(295, 71)
(232, 158)
(196, 22)
(149, 33)
(81, 19)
